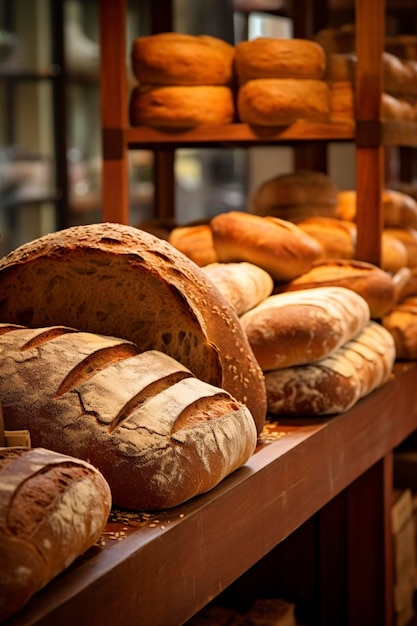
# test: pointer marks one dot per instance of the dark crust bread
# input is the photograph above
(116, 280)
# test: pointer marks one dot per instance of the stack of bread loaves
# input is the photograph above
(280, 81)
(184, 81)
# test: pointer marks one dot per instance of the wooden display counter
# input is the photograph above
(158, 570)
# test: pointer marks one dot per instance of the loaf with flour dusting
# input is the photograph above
(158, 434)
(117, 280)
(303, 326)
(334, 384)
(53, 507)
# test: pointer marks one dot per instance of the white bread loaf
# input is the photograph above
(117, 280)
(158, 434)
(277, 246)
(243, 284)
(53, 507)
(335, 383)
(401, 322)
(375, 285)
(303, 326)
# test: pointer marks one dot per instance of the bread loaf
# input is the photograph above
(408, 237)
(117, 280)
(196, 242)
(181, 59)
(303, 326)
(243, 284)
(337, 237)
(375, 285)
(335, 383)
(277, 246)
(274, 57)
(401, 322)
(282, 101)
(52, 509)
(181, 107)
(158, 434)
(399, 209)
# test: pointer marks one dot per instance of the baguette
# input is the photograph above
(116, 280)
(158, 434)
(335, 383)
(52, 509)
(303, 326)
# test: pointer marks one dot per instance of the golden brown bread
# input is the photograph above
(53, 507)
(158, 434)
(399, 209)
(337, 237)
(274, 57)
(282, 101)
(341, 101)
(181, 59)
(195, 241)
(336, 383)
(401, 322)
(277, 246)
(117, 280)
(408, 237)
(181, 107)
(303, 326)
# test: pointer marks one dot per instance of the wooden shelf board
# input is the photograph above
(170, 567)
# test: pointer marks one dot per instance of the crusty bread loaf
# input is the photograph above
(275, 57)
(182, 106)
(117, 280)
(53, 507)
(375, 285)
(282, 101)
(158, 434)
(335, 383)
(303, 326)
(401, 322)
(399, 209)
(243, 284)
(337, 237)
(181, 59)
(408, 237)
(289, 194)
(279, 247)
(195, 241)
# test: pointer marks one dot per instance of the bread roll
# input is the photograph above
(408, 237)
(158, 434)
(282, 101)
(401, 322)
(375, 285)
(180, 59)
(277, 246)
(335, 383)
(52, 509)
(117, 280)
(303, 326)
(399, 209)
(292, 192)
(273, 57)
(196, 242)
(337, 237)
(243, 284)
(181, 107)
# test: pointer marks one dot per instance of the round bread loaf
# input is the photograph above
(282, 101)
(394, 254)
(375, 285)
(401, 322)
(274, 57)
(180, 59)
(301, 327)
(243, 284)
(181, 107)
(196, 242)
(53, 507)
(277, 246)
(408, 237)
(399, 209)
(336, 383)
(117, 280)
(159, 435)
(292, 192)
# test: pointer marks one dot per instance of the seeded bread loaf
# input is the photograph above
(52, 509)
(334, 384)
(303, 326)
(158, 434)
(117, 280)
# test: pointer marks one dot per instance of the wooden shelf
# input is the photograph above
(177, 561)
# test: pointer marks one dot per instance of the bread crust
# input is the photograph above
(181, 59)
(117, 280)
(401, 322)
(196, 242)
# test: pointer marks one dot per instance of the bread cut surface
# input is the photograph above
(117, 280)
